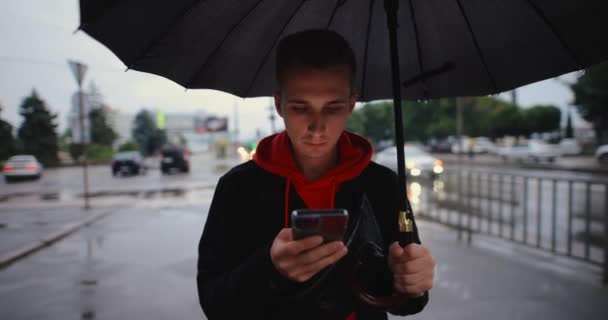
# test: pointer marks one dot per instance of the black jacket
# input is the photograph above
(236, 278)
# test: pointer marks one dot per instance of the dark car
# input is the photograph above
(128, 163)
(174, 158)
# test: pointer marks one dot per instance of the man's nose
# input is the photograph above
(316, 123)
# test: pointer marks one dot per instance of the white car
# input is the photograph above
(22, 166)
(601, 154)
(570, 147)
(417, 161)
(479, 145)
(534, 150)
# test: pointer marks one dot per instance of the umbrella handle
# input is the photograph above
(405, 235)
(381, 302)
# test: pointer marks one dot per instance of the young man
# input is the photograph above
(249, 264)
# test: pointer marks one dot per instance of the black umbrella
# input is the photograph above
(488, 46)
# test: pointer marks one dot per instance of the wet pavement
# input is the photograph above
(139, 263)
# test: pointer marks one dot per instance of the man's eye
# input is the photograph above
(299, 109)
(333, 110)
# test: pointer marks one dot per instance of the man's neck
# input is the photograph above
(314, 168)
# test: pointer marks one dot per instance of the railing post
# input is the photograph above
(606, 235)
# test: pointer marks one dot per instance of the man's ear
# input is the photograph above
(277, 103)
(352, 102)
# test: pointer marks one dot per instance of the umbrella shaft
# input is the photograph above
(391, 15)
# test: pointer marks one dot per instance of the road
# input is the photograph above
(65, 184)
(138, 262)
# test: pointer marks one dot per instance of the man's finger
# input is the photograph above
(298, 246)
(414, 250)
(320, 252)
(315, 267)
(395, 252)
(410, 266)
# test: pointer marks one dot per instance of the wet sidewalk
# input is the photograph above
(493, 279)
(117, 266)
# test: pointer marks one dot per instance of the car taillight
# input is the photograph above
(8, 168)
(31, 167)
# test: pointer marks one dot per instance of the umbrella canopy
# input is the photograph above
(488, 46)
(229, 45)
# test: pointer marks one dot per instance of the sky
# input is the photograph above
(37, 39)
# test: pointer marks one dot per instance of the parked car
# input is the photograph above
(174, 158)
(533, 150)
(570, 147)
(475, 145)
(417, 161)
(22, 167)
(128, 163)
(601, 154)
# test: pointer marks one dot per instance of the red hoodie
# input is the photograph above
(274, 154)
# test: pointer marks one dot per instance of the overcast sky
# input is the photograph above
(37, 38)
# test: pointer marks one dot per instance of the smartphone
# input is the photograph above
(331, 224)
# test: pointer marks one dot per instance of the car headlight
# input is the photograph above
(415, 172)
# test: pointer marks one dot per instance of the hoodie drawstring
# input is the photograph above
(288, 183)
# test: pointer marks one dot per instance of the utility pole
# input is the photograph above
(236, 120)
(79, 70)
(272, 117)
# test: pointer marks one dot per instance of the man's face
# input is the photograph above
(315, 104)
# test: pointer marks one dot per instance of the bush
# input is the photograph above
(129, 146)
(95, 152)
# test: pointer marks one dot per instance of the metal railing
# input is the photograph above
(564, 216)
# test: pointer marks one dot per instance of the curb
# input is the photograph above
(19, 253)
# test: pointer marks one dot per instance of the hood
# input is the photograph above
(274, 154)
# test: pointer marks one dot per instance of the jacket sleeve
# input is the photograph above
(232, 283)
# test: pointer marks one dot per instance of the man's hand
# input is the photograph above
(413, 268)
(300, 260)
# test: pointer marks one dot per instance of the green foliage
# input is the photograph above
(7, 140)
(95, 152)
(541, 119)
(101, 131)
(482, 116)
(37, 133)
(591, 99)
(148, 137)
(98, 152)
(129, 146)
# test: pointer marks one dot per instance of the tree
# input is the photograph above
(569, 130)
(7, 140)
(539, 119)
(101, 131)
(148, 137)
(129, 146)
(38, 131)
(591, 99)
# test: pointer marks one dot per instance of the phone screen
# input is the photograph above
(329, 223)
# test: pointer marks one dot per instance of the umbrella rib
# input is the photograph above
(418, 49)
(477, 47)
(152, 43)
(204, 64)
(339, 3)
(365, 53)
(551, 27)
(259, 68)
